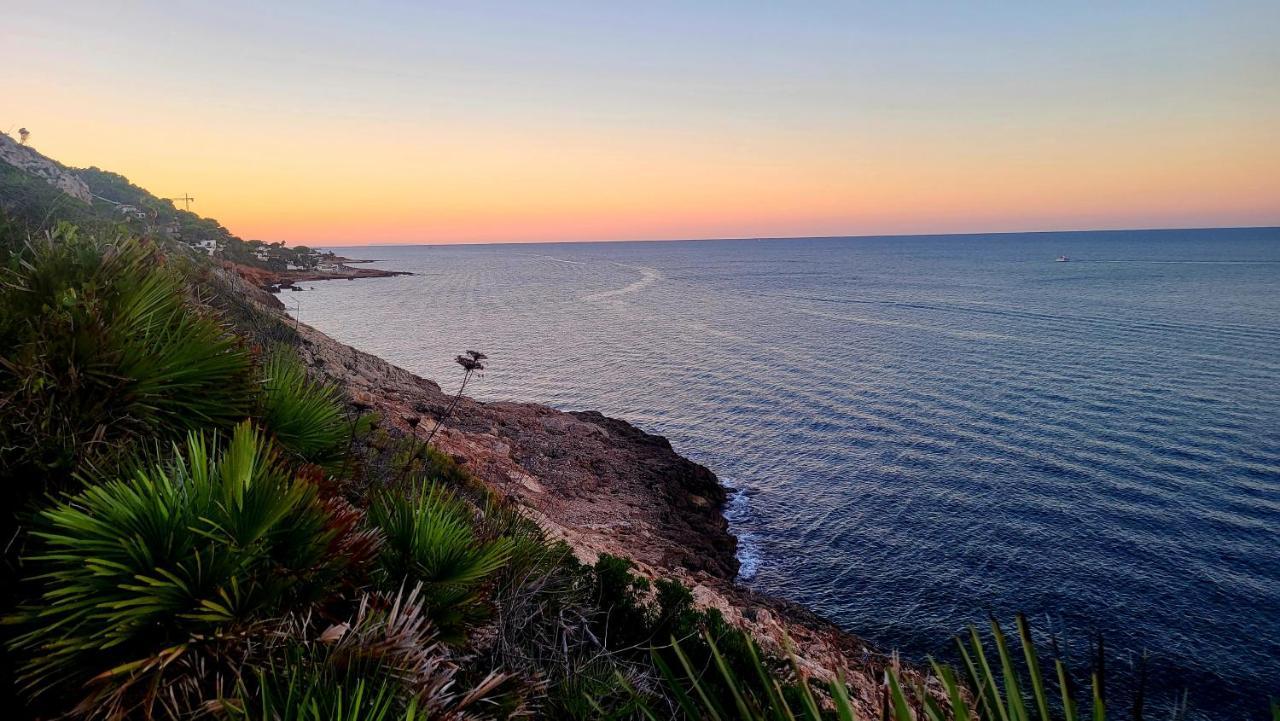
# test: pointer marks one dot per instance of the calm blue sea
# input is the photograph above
(922, 430)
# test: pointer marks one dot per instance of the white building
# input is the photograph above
(208, 246)
(131, 210)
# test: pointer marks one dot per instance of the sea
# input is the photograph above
(921, 432)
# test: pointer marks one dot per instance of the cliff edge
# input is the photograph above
(603, 486)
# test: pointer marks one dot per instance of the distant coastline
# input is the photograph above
(275, 281)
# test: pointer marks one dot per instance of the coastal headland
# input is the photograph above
(604, 487)
(275, 281)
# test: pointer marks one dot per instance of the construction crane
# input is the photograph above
(186, 200)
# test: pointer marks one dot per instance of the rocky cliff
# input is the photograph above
(53, 173)
(603, 486)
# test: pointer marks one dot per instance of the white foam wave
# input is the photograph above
(736, 512)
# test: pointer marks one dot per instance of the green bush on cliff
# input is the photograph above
(155, 587)
(305, 417)
(32, 203)
(102, 349)
(431, 539)
(993, 684)
(667, 627)
(139, 572)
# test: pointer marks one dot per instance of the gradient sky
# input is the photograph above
(350, 123)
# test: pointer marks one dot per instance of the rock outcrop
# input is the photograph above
(51, 172)
(599, 482)
(277, 280)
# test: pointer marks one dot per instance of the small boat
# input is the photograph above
(1062, 259)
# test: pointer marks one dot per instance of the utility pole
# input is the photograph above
(186, 200)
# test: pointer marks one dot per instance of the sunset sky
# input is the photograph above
(351, 123)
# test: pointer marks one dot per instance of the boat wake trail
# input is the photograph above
(648, 276)
(558, 260)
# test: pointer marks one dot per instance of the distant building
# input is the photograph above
(131, 211)
(208, 246)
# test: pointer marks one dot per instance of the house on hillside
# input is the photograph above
(208, 246)
(131, 211)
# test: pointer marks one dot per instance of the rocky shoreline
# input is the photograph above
(274, 281)
(603, 486)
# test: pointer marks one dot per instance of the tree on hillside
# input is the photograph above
(23, 134)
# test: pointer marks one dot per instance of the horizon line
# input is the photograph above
(806, 237)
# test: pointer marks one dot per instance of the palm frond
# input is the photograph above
(305, 417)
(102, 346)
(175, 555)
(430, 538)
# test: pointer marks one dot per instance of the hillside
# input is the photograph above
(36, 192)
(34, 189)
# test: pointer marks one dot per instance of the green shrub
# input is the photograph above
(593, 692)
(101, 348)
(667, 628)
(305, 417)
(620, 595)
(416, 459)
(431, 539)
(137, 572)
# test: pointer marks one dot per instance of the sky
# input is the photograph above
(387, 122)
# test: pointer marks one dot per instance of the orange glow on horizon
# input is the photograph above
(320, 186)
(283, 163)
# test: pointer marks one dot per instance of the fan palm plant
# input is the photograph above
(305, 417)
(102, 346)
(431, 538)
(138, 572)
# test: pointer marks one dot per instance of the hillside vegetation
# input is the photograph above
(34, 198)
